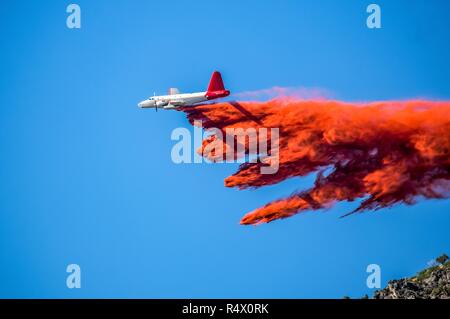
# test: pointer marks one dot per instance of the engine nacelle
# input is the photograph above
(160, 103)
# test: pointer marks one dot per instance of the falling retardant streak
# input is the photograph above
(383, 153)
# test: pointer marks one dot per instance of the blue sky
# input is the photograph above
(87, 178)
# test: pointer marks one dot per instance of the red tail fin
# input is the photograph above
(216, 83)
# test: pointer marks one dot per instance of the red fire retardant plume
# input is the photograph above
(383, 153)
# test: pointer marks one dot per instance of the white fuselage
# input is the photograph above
(173, 101)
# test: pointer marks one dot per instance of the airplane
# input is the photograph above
(175, 99)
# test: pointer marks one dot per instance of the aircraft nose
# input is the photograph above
(147, 103)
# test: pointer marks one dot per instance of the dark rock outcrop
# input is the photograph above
(431, 283)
